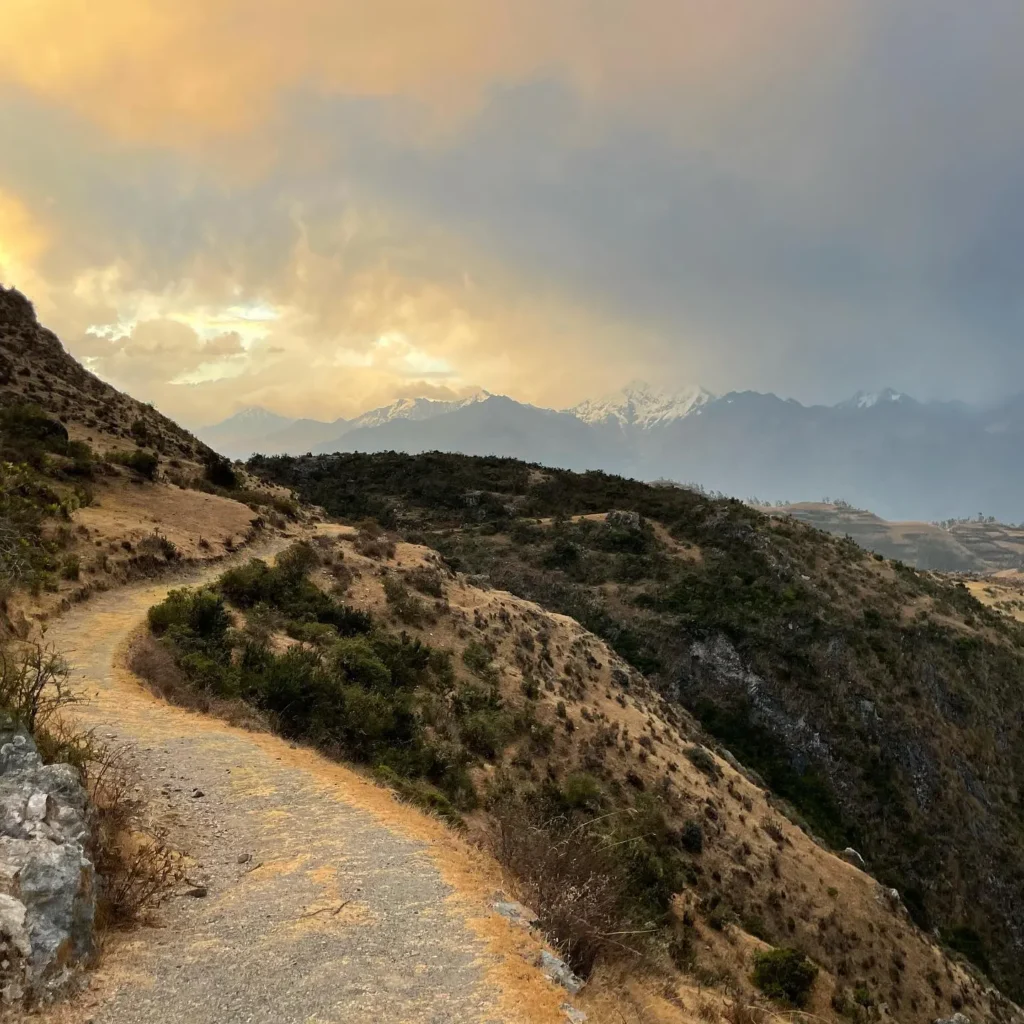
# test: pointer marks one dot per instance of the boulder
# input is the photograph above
(624, 520)
(516, 913)
(47, 883)
(851, 856)
(559, 972)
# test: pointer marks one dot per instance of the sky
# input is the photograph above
(319, 206)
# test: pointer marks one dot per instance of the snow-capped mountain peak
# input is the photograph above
(639, 405)
(416, 409)
(870, 399)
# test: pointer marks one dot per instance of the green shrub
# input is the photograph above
(139, 461)
(71, 567)
(198, 618)
(691, 838)
(27, 434)
(486, 732)
(219, 471)
(581, 791)
(477, 659)
(356, 661)
(785, 975)
(702, 760)
(409, 608)
(426, 580)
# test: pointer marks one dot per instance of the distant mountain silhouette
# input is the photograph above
(886, 451)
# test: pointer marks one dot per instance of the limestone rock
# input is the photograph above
(47, 883)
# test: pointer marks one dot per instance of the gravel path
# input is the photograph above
(317, 908)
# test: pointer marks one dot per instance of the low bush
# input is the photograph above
(785, 975)
(140, 461)
(219, 471)
(426, 580)
(156, 544)
(702, 760)
(409, 608)
(601, 884)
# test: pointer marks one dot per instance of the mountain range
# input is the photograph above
(886, 451)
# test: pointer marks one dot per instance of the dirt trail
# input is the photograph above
(327, 901)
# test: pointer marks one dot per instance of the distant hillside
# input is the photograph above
(967, 546)
(258, 430)
(901, 458)
(884, 703)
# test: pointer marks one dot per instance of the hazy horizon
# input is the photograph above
(667, 392)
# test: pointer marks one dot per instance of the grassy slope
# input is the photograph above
(885, 704)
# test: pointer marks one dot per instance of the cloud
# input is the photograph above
(196, 71)
(320, 206)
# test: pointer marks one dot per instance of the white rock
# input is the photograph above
(35, 810)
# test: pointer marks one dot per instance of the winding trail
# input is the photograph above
(326, 900)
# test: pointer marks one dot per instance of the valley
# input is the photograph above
(975, 545)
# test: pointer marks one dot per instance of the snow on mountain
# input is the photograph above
(639, 405)
(414, 409)
(869, 399)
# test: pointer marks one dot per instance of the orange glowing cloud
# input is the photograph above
(192, 71)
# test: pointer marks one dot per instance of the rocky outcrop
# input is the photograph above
(624, 520)
(47, 890)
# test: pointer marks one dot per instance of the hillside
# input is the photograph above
(34, 367)
(883, 703)
(599, 797)
(966, 546)
(98, 488)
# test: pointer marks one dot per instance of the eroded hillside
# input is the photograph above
(885, 704)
